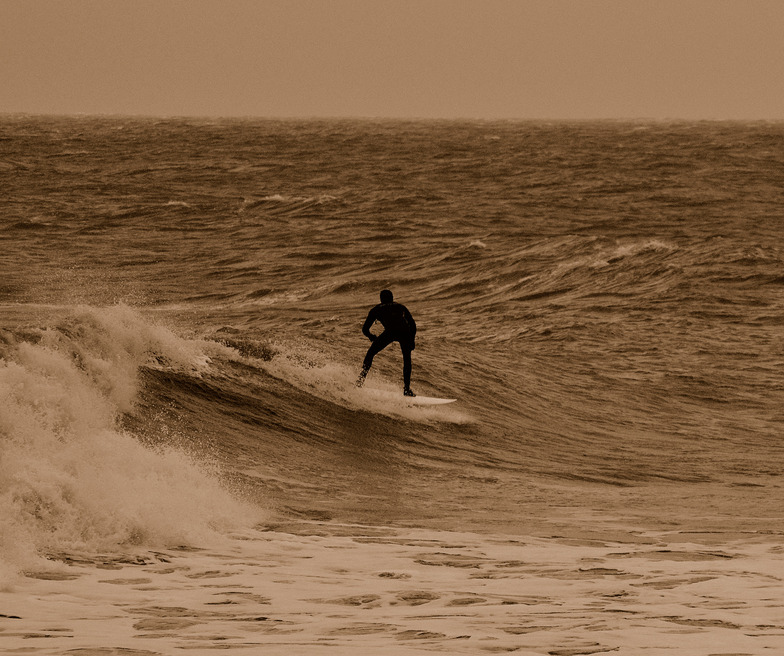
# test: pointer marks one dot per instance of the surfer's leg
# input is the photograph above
(380, 343)
(406, 369)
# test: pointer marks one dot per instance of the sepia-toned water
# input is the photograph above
(181, 304)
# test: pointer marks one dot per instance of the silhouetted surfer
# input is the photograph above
(399, 326)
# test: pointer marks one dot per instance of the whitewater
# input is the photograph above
(186, 464)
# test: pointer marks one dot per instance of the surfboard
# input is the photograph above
(427, 400)
(387, 397)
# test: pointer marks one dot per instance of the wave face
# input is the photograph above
(182, 303)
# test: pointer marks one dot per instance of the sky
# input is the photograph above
(525, 59)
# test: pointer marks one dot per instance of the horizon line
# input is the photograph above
(369, 118)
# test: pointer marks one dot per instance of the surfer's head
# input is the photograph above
(386, 296)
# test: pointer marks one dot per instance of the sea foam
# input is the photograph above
(70, 477)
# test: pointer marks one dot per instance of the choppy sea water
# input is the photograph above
(181, 308)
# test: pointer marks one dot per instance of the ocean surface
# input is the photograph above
(180, 312)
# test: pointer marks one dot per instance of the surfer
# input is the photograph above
(399, 326)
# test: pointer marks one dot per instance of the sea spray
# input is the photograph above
(70, 477)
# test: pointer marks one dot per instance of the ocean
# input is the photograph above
(186, 462)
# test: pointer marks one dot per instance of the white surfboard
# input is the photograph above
(427, 400)
(391, 398)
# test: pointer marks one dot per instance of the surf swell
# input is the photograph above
(609, 323)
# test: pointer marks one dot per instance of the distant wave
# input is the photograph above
(282, 203)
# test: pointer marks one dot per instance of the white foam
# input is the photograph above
(70, 478)
(375, 590)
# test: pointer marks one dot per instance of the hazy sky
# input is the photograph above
(395, 58)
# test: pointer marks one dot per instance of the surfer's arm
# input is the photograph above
(371, 319)
(410, 321)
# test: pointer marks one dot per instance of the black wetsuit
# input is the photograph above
(399, 326)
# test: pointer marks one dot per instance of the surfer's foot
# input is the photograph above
(407, 392)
